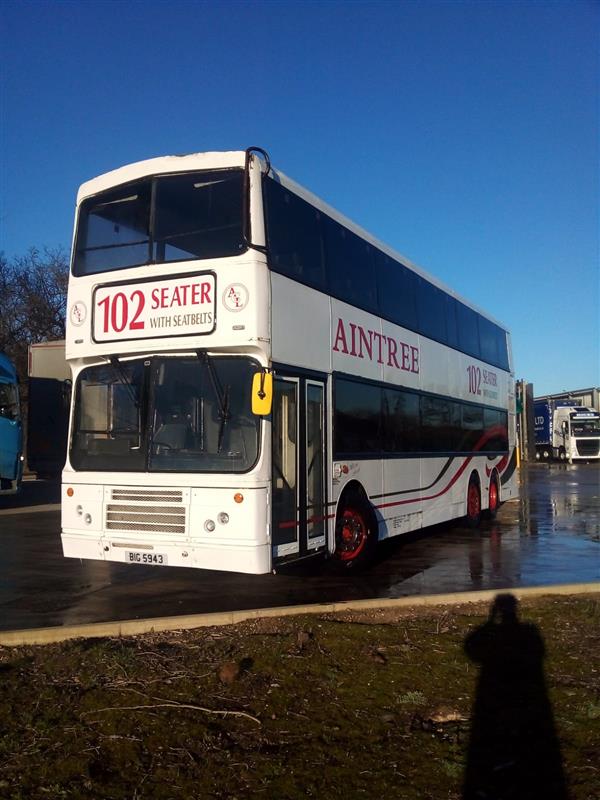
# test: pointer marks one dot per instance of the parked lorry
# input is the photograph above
(11, 429)
(48, 408)
(566, 431)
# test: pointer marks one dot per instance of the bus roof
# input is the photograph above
(160, 166)
(236, 159)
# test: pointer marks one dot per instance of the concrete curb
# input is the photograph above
(134, 627)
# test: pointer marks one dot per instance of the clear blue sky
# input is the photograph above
(464, 134)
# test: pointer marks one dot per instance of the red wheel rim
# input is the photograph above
(493, 496)
(351, 535)
(473, 503)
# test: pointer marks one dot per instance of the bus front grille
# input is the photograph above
(146, 511)
(148, 495)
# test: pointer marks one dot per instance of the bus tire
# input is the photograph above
(493, 497)
(473, 515)
(355, 533)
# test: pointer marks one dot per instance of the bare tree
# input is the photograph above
(33, 298)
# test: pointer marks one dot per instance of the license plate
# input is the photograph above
(135, 557)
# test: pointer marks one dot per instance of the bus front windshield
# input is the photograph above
(180, 217)
(186, 414)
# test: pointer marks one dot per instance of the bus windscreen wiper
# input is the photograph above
(222, 397)
(225, 417)
(125, 380)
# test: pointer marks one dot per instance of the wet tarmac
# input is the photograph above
(550, 536)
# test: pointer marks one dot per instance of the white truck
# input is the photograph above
(48, 408)
(566, 431)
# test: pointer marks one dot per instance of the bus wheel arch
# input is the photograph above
(356, 528)
(473, 515)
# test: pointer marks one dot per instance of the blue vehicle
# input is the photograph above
(11, 429)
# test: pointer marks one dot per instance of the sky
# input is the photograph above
(463, 134)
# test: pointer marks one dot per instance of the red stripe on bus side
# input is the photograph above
(431, 496)
(500, 466)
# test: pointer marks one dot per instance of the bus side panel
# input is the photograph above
(401, 507)
(300, 325)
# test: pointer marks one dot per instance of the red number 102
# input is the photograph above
(116, 312)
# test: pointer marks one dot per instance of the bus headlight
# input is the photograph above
(223, 518)
(209, 525)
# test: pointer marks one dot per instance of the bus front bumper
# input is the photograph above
(204, 528)
(254, 560)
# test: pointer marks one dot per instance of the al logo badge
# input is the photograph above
(78, 313)
(235, 297)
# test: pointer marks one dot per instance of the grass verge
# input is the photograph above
(425, 703)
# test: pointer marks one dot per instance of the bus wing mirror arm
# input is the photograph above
(246, 233)
(262, 393)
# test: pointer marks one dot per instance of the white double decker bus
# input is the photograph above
(257, 380)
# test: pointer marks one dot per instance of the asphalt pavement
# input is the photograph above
(550, 536)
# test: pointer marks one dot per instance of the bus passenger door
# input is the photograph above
(299, 498)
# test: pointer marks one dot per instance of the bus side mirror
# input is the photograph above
(262, 393)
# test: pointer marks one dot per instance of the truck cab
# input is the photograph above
(576, 433)
(566, 431)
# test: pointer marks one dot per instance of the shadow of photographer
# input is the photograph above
(513, 752)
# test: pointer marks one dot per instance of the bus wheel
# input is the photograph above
(493, 498)
(473, 503)
(354, 536)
